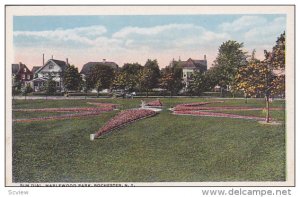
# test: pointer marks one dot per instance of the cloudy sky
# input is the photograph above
(136, 38)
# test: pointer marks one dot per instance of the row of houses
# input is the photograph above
(53, 68)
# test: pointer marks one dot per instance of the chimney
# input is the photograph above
(67, 61)
(204, 57)
(52, 57)
(104, 60)
(43, 59)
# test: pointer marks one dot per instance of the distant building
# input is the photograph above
(191, 66)
(20, 73)
(53, 69)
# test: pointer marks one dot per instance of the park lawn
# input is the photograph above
(162, 148)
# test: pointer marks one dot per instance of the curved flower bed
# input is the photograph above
(155, 103)
(61, 117)
(123, 118)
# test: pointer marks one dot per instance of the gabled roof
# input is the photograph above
(35, 68)
(61, 64)
(16, 68)
(194, 64)
(88, 66)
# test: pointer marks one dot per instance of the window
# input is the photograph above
(23, 76)
(28, 77)
(24, 70)
(51, 66)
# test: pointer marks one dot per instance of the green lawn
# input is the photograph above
(165, 147)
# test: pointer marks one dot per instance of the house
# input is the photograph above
(191, 66)
(53, 69)
(20, 73)
(34, 69)
(90, 65)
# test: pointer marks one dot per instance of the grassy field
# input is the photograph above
(163, 148)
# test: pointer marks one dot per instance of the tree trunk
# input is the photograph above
(268, 109)
(147, 93)
(97, 93)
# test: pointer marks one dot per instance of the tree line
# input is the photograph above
(233, 70)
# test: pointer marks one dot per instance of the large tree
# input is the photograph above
(145, 80)
(198, 84)
(230, 58)
(152, 66)
(72, 78)
(100, 77)
(262, 77)
(131, 68)
(171, 79)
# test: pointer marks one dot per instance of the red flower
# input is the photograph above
(123, 118)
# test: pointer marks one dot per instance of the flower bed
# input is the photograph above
(197, 109)
(212, 114)
(155, 103)
(234, 108)
(90, 109)
(105, 105)
(198, 104)
(123, 118)
(61, 117)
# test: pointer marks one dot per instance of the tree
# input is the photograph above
(26, 88)
(120, 81)
(98, 86)
(230, 58)
(131, 69)
(50, 87)
(145, 77)
(72, 78)
(152, 66)
(100, 73)
(198, 84)
(171, 79)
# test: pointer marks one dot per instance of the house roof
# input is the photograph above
(194, 64)
(17, 67)
(35, 68)
(61, 64)
(88, 66)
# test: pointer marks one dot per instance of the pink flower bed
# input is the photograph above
(197, 109)
(188, 108)
(155, 103)
(212, 114)
(90, 109)
(61, 117)
(197, 104)
(105, 105)
(123, 118)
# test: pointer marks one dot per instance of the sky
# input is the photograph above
(136, 38)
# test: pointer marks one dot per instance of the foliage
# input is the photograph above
(103, 74)
(145, 77)
(197, 85)
(230, 58)
(72, 78)
(154, 73)
(171, 79)
(124, 81)
(26, 89)
(131, 69)
(50, 86)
